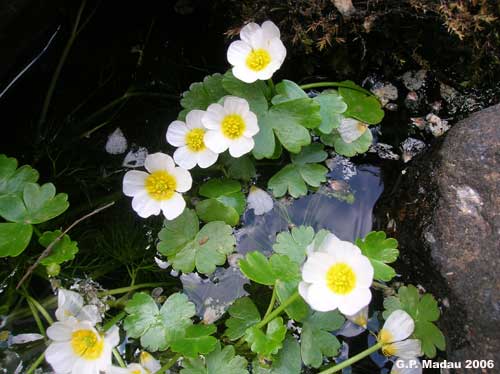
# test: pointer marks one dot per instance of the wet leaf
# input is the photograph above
(298, 310)
(226, 201)
(243, 314)
(287, 91)
(360, 145)
(201, 94)
(380, 251)
(242, 168)
(332, 106)
(12, 179)
(268, 343)
(255, 93)
(217, 362)
(176, 233)
(287, 361)
(258, 268)
(197, 340)
(361, 106)
(294, 243)
(64, 250)
(14, 238)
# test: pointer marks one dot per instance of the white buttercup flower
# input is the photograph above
(77, 347)
(259, 200)
(188, 137)
(158, 190)
(360, 318)
(231, 125)
(148, 365)
(393, 335)
(258, 54)
(351, 129)
(405, 366)
(336, 275)
(70, 304)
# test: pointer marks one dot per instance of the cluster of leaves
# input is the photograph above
(424, 311)
(23, 204)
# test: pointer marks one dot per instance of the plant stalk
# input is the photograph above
(271, 303)
(119, 358)
(352, 360)
(276, 312)
(169, 364)
(334, 84)
(36, 364)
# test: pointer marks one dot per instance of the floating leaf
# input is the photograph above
(64, 250)
(243, 314)
(255, 93)
(268, 343)
(201, 94)
(380, 251)
(258, 268)
(177, 233)
(316, 338)
(287, 91)
(14, 238)
(361, 106)
(298, 310)
(217, 362)
(226, 201)
(332, 107)
(197, 340)
(360, 145)
(158, 328)
(242, 168)
(287, 361)
(294, 243)
(12, 179)
(424, 311)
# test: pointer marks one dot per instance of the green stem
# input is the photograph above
(271, 86)
(352, 360)
(36, 316)
(113, 321)
(121, 290)
(41, 309)
(276, 312)
(37, 231)
(119, 358)
(169, 364)
(36, 364)
(62, 60)
(334, 84)
(271, 303)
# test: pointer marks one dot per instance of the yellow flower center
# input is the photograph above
(360, 321)
(233, 126)
(385, 336)
(258, 59)
(137, 371)
(160, 185)
(341, 279)
(194, 140)
(389, 350)
(87, 344)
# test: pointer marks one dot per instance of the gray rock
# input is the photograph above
(447, 215)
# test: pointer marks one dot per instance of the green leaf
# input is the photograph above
(243, 314)
(287, 361)
(226, 201)
(14, 238)
(256, 267)
(298, 310)
(310, 154)
(210, 210)
(158, 328)
(64, 250)
(177, 233)
(265, 142)
(268, 343)
(332, 106)
(217, 187)
(361, 106)
(294, 244)
(283, 268)
(12, 180)
(360, 145)
(316, 338)
(255, 93)
(201, 94)
(287, 179)
(424, 310)
(242, 168)
(38, 204)
(380, 251)
(197, 340)
(287, 91)
(218, 362)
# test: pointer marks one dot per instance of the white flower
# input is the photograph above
(258, 54)
(360, 318)
(148, 365)
(405, 366)
(77, 347)
(188, 137)
(70, 304)
(259, 200)
(336, 275)
(351, 129)
(393, 335)
(158, 190)
(231, 125)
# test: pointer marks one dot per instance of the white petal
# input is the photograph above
(270, 30)
(351, 129)
(320, 298)
(236, 105)
(316, 267)
(360, 318)
(60, 331)
(173, 207)
(206, 158)
(82, 366)
(215, 141)
(176, 133)
(241, 146)
(238, 52)
(193, 119)
(112, 337)
(304, 289)
(145, 206)
(402, 366)
(251, 33)
(183, 179)
(149, 362)
(251, 125)
(118, 370)
(266, 73)
(213, 117)
(259, 200)
(355, 301)
(61, 357)
(277, 51)
(69, 303)
(133, 182)
(409, 348)
(341, 250)
(89, 313)
(243, 73)
(185, 158)
(399, 325)
(159, 161)
(363, 269)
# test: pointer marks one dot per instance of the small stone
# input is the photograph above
(435, 125)
(385, 92)
(418, 122)
(117, 143)
(411, 147)
(414, 80)
(384, 151)
(392, 107)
